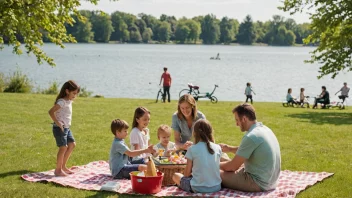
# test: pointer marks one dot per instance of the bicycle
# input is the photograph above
(297, 103)
(160, 94)
(194, 91)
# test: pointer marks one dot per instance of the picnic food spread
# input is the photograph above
(173, 159)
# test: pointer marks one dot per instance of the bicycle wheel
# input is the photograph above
(183, 92)
(213, 99)
(160, 94)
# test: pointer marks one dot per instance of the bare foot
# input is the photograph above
(60, 173)
(67, 171)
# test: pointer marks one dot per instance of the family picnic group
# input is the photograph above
(323, 98)
(255, 167)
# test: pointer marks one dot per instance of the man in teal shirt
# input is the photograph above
(259, 151)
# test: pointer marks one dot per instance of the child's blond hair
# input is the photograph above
(164, 129)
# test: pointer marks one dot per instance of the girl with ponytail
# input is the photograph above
(202, 172)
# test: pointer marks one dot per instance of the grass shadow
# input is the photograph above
(321, 118)
(18, 173)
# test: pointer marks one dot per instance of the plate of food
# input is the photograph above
(172, 160)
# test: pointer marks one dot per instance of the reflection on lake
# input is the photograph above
(134, 70)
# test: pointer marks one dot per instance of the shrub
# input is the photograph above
(53, 89)
(98, 96)
(84, 92)
(19, 83)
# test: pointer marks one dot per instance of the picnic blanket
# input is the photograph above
(96, 176)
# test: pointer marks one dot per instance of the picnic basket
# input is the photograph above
(169, 170)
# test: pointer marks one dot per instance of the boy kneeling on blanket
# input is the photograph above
(121, 163)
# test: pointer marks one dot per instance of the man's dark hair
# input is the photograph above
(165, 68)
(323, 87)
(245, 109)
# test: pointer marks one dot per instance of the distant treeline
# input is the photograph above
(123, 27)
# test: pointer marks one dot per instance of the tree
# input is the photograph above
(82, 28)
(302, 31)
(182, 32)
(172, 21)
(121, 32)
(31, 19)
(147, 35)
(261, 29)
(141, 25)
(129, 19)
(164, 31)
(227, 30)
(152, 23)
(246, 33)
(135, 36)
(290, 24)
(331, 27)
(194, 27)
(278, 32)
(210, 30)
(102, 26)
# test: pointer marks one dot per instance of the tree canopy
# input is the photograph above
(331, 28)
(246, 34)
(30, 23)
(27, 21)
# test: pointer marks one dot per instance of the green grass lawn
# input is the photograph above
(311, 140)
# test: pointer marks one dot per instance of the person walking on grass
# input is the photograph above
(259, 152)
(248, 92)
(61, 114)
(166, 78)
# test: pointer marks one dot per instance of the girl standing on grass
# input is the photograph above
(61, 114)
(248, 92)
(202, 171)
(140, 138)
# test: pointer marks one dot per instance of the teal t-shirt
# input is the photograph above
(261, 149)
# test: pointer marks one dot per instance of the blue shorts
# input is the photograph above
(125, 171)
(62, 137)
(185, 184)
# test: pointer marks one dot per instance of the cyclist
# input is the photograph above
(166, 78)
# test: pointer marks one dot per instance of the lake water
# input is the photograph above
(134, 70)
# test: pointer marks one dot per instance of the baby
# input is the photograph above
(164, 147)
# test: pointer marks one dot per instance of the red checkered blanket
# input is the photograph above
(95, 175)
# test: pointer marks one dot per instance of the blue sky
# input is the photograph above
(259, 9)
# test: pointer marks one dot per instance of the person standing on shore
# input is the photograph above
(166, 78)
(248, 92)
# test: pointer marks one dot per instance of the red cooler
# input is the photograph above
(146, 185)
